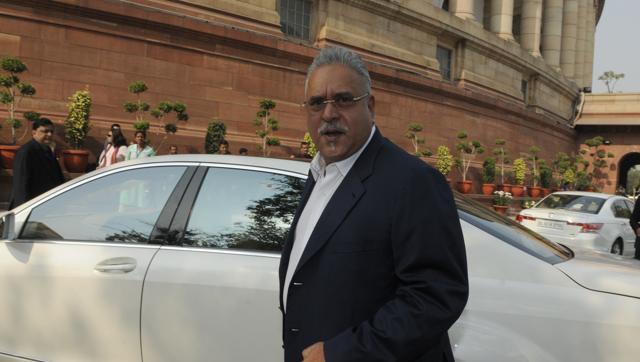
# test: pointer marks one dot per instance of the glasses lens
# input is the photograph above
(344, 100)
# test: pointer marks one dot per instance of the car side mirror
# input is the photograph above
(7, 226)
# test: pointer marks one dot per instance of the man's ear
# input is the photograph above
(371, 104)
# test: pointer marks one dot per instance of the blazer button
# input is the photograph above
(296, 284)
(294, 330)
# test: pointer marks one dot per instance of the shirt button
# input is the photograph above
(297, 284)
(294, 330)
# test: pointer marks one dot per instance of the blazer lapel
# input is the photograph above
(343, 200)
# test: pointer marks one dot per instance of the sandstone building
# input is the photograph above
(511, 69)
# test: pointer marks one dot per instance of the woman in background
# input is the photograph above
(116, 150)
(140, 149)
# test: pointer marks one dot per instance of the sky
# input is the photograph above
(617, 46)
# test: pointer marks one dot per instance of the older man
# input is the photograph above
(374, 268)
(35, 168)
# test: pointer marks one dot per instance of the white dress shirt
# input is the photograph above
(328, 178)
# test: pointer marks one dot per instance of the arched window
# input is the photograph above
(295, 18)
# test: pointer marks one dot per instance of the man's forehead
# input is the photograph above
(334, 78)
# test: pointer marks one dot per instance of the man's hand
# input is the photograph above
(314, 353)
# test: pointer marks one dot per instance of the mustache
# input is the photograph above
(332, 127)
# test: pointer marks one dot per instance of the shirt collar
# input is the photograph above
(318, 164)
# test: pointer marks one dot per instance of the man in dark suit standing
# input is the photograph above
(634, 220)
(35, 168)
(374, 268)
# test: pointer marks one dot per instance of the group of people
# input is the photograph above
(116, 148)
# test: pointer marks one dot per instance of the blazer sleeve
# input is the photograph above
(22, 175)
(635, 216)
(430, 266)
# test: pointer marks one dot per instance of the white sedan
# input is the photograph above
(583, 219)
(176, 259)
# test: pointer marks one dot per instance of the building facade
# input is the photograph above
(497, 69)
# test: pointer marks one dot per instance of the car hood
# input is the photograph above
(603, 272)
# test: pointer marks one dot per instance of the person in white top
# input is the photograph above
(374, 267)
(115, 150)
(140, 148)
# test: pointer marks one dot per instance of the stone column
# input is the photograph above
(569, 37)
(589, 44)
(463, 9)
(552, 32)
(531, 24)
(502, 18)
(580, 42)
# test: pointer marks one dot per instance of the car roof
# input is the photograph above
(586, 193)
(289, 165)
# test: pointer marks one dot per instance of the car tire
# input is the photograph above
(616, 248)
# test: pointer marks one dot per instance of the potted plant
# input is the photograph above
(519, 174)
(501, 201)
(76, 127)
(560, 164)
(534, 190)
(444, 161)
(583, 181)
(12, 91)
(412, 133)
(267, 126)
(546, 177)
(501, 153)
(215, 134)
(467, 151)
(488, 176)
(313, 149)
(598, 159)
(568, 178)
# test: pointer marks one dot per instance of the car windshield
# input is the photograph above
(570, 202)
(510, 231)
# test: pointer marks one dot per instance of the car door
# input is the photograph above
(622, 213)
(213, 294)
(72, 281)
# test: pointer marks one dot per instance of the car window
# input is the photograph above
(577, 203)
(510, 231)
(243, 209)
(630, 205)
(620, 209)
(119, 207)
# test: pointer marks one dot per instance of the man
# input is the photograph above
(634, 221)
(374, 268)
(243, 151)
(223, 149)
(304, 151)
(35, 168)
(173, 150)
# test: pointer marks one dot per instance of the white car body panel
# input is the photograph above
(69, 311)
(223, 307)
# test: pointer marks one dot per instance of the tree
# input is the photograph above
(501, 153)
(633, 181)
(14, 91)
(313, 149)
(533, 157)
(267, 125)
(444, 160)
(76, 126)
(598, 160)
(215, 134)
(610, 78)
(413, 129)
(467, 151)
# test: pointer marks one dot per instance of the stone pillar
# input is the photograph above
(502, 18)
(552, 32)
(569, 38)
(589, 44)
(463, 9)
(531, 24)
(580, 42)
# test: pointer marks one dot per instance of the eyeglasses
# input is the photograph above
(317, 104)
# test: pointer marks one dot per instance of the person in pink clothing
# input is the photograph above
(116, 149)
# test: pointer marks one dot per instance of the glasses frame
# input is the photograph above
(324, 103)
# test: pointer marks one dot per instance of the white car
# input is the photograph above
(175, 258)
(583, 219)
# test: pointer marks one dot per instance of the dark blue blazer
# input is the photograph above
(384, 273)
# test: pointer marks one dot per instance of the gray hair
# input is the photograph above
(342, 56)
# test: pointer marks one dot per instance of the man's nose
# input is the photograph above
(330, 111)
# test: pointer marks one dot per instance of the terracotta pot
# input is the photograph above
(75, 161)
(464, 186)
(546, 191)
(505, 187)
(535, 191)
(501, 209)
(517, 190)
(487, 189)
(7, 153)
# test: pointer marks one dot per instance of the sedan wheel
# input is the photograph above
(616, 248)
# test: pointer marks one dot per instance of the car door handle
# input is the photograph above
(117, 265)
